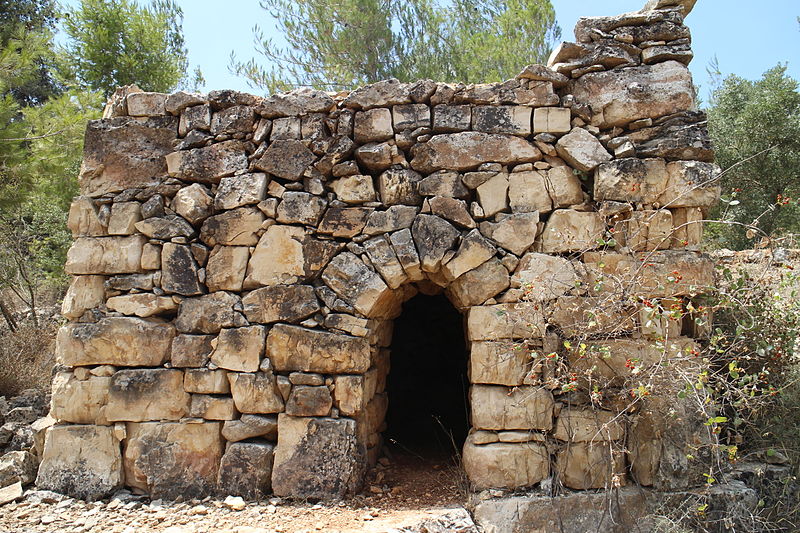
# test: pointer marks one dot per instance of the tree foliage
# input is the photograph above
(755, 126)
(347, 43)
(118, 42)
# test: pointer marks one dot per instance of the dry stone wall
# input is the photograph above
(239, 260)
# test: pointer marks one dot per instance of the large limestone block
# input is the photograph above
(516, 233)
(359, 286)
(292, 348)
(143, 304)
(79, 402)
(582, 150)
(683, 136)
(84, 293)
(478, 285)
(618, 97)
(226, 268)
(631, 180)
(505, 466)
(691, 184)
(469, 149)
(179, 270)
(317, 458)
(246, 470)
(240, 349)
(505, 321)
(501, 408)
(527, 192)
(586, 315)
(287, 159)
(238, 227)
(209, 313)
(255, 393)
(499, 363)
(280, 303)
(544, 277)
(664, 273)
(81, 461)
(591, 465)
(122, 153)
(433, 237)
(171, 459)
(473, 251)
(105, 255)
(193, 203)
(147, 394)
(208, 164)
(589, 425)
(568, 230)
(120, 341)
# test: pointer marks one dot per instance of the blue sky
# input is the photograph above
(746, 37)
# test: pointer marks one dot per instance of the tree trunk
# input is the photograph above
(12, 324)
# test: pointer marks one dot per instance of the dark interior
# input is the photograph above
(427, 384)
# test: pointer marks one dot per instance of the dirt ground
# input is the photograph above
(399, 493)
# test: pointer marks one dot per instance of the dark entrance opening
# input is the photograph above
(427, 382)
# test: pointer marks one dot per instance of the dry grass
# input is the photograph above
(26, 358)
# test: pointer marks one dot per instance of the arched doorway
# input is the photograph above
(428, 414)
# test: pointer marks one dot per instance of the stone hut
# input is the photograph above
(239, 262)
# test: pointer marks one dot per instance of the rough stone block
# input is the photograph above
(505, 321)
(208, 164)
(81, 461)
(239, 349)
(204, 381)
(120, 341)
(212, 407)
(105, 255)
(246, 470)
(251, 426)
(544, 277)
(374, 125)
(467, 150)
(170, 459)
(516, 233)
(582, 315)
(300, 208)
(527, 192)
(451, 118)
(572, 231)
(191, 351)
(515, 120)
(631, 180)
(309, 401)
(226, 268)
(209, 313)
(478, 285)
(505, 466)
(255, 393)
(497, 408)
(292, 348)
(551, 120)
(582, 150)
(280, 303)
(79, 402)
(590, 465)
(146, 394)
(359, 286)
(83, 219)
(499, 363)
(238, 227)
(399, 187)
(123, 217)
(493, 194)
(241, 190)
(317, 458)
(287, 159)
(691, 184)
(344, 222)
(84, 293)
(146, 104)
(179, 270)
(589, 425)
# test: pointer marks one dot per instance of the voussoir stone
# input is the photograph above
(360, 286)
(121, 341)
(81, 461)
(293, 348)
(433, 237)
(468, 150)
